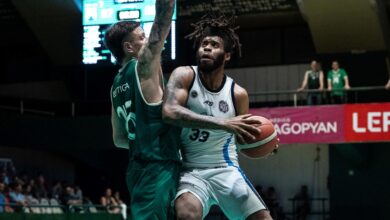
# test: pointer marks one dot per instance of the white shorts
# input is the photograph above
(226, 187)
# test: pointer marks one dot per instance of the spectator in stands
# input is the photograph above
(24, 178)
(109, 201)
(16, 196)
(271, 199)
(16, 179)
(30, 200)
(314, 78)
(27, 191)
(57, 190)
(40, 189)
(302, 207)
(4, 178)
(337, 83)
(121, 204)
(69, 197)
(32, 183)
(78, 193)
(117, 198)
(4, 199)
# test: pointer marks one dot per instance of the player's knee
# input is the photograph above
(260, 215)
(187, 208)
(184, 212)
(187, 216)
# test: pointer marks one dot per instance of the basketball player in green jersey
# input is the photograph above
(136, 96)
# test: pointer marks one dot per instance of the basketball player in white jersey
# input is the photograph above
(201, 99)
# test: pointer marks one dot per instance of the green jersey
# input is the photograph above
(337, 81)
(149, 138)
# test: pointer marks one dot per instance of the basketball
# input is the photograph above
(264, 144)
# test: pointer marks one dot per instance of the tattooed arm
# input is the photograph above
(175, 113)
(150, 54)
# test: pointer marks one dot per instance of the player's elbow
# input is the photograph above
(169, 114)
(116, 141)
(120, 141)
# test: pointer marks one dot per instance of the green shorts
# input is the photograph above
(152, 187)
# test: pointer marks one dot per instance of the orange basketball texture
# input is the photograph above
(265, 142)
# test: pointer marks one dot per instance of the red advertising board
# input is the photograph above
(367, 122)
(330, 123)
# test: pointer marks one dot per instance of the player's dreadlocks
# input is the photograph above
(218, 26)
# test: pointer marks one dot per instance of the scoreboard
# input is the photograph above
(98, 15)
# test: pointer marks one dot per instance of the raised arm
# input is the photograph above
(150, 54)
(174, 110)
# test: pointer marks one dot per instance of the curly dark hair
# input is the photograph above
(115, 35)
(222, 26)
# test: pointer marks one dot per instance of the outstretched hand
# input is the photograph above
(244, 127)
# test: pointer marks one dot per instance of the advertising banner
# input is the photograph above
(330, 123)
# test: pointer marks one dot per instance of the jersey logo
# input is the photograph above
(223, 106)
(194, 94)
(209, 103)
(120, 89)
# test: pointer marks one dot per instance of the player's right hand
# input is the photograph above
(243, 127)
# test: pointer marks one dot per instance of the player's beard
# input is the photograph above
(210, 66)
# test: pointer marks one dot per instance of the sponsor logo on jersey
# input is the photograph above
(209, 103)
(194, 94)
(223, 106)
(120, 89)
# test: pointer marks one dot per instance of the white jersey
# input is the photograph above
(204, 148)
